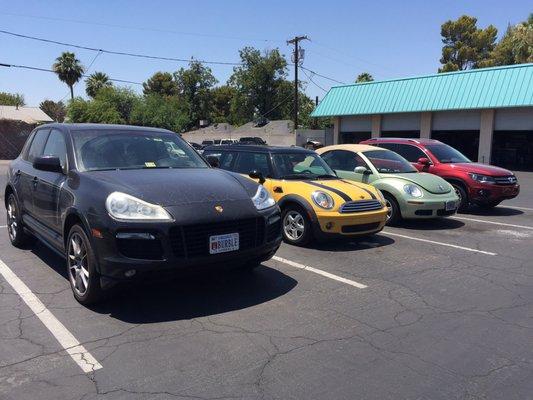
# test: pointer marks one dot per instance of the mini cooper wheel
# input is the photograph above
(393, 210)
(16, 233)
(463, 197)
(81, 267)
(296, 226)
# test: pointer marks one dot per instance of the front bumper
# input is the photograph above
(428, 208)
(350, 224)
(163, 248)
(486, 193)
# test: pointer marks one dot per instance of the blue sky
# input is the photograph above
(389, 39)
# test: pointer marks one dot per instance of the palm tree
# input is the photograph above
(68, 69)
(95, 82)
(364, 77)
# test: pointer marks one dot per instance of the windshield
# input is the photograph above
(301, 166)
(389, 162)
(447, 154)
(132, 149)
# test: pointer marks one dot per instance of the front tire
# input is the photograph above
(463, 197)
(296, 226)
(81, 267)
(15, 229)
(394, 214)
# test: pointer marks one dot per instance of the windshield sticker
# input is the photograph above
(150, 164)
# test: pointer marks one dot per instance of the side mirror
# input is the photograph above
(213, 161)
(48, 163)
(424, 161)
(255, 174)
(362, 170)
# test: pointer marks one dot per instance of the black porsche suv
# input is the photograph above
(121, 202)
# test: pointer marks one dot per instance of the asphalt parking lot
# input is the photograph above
(438, 309)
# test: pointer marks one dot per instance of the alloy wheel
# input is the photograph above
(12, 225)
(78, 265)
(389, 209)
(293, 225)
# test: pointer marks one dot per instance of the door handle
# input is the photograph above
(18, 173)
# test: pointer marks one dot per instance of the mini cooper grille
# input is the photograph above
(505, 180)
(360, 206)
(193, 240)
(360, 228)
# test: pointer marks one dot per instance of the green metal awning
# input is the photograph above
(497, 87)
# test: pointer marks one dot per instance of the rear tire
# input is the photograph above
(463, 197)
(297, 228)
(81, 267)
(15, 229)
(394, 214)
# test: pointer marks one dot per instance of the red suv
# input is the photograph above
(475, 183)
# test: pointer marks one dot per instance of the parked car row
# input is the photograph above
(121, 202)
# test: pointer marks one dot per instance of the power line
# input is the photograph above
(310, 77)
(120, 53)
(49, 70)
(322, 76)
(141, 28)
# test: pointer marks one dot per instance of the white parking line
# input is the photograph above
(320, 272)
(441, 243)
(72, 346)
(3, 226)
(493, 222)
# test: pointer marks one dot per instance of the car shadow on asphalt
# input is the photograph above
(433, 224)
(500, 211)
(192, 296)
(354, 244)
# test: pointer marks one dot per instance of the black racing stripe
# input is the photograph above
(344, 196)
(366, 190)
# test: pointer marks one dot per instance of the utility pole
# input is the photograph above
(296, 57)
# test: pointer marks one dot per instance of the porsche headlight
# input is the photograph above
(122, 206)
(412, 190)
(262, 198)
(323, 200)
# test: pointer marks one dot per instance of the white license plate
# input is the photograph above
(450, 205)
(223, 243)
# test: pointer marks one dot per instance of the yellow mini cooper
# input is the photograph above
(314, 202)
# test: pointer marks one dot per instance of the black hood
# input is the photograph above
(173, 187)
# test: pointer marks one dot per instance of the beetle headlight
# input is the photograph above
(122, 206)
(262, 198)
(323, 200)
(412, 190)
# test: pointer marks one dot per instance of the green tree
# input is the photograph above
(194, 86)
(162, 112)
(69, 70)
(256, 83)
(222, 97)
(465, 45)
(161, 83)
(55, 110)
(12, 99)
(95, 82)
(515, 47)
(364, 77)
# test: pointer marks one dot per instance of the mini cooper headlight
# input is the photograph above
(122, 206)
(412, 190)
(323, 200)
(482, 178)
(262, 198)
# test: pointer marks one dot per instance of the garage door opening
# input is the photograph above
(513, 150)
(354, 137)
(467, 142)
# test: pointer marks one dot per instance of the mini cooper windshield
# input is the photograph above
(447, 154)
(301, 166)
(389, 162)
(98, 150)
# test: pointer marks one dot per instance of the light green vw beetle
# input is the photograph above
(408, 193)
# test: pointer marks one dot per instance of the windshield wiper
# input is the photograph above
(327, 176)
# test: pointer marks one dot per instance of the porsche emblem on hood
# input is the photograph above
(219, 209)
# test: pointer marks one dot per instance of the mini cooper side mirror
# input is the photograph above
(362, 170)
(213, 161)
(48, 163)
(255, 174)
(424, 161)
